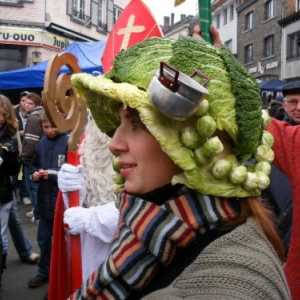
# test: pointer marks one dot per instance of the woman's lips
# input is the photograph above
(126, 169)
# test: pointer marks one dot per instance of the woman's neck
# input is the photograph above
(160, 195)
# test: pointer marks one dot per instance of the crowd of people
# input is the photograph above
(160, 216)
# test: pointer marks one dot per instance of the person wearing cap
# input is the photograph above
(286, 143)
(291, 104)
(187, 227)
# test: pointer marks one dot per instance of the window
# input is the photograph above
(293, 48)
(270, 9)
(12, 57)
(218, 20)
(249, 23)
(229, 44)
(16, 1)
(231, 12)
(269, 46)
(100, 10)
(101, 24)
(79, 10)
(117, 13)
(225, 16)
(248, 54)
(298, 5)
(11, 1)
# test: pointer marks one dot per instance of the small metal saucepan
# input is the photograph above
(175, 94)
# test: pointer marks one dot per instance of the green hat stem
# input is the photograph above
(205, 19)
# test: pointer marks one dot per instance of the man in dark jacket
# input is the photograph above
(21, 115)
(49, 157)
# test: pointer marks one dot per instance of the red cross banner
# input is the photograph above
(135, 24)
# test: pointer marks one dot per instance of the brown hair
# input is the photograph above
(37, 100)
(257, 208)
(43, 116)
(11, 120)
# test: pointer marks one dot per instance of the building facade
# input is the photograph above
(259, 37)
(183, 27)
(224, 18)
(290, 25)
(32, 30)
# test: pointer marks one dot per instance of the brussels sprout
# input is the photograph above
(202, 108)
(115, 164)
(251, 168)
(264, 153)
(266, 118)
(263, 180)
(267, 139)
(251, 182)
(118, 179)
(233, 160)
(221, 168)
(190, 138)
(206, 126)
(263, 166)
(238, 175)
(201, 157)
(213, 147)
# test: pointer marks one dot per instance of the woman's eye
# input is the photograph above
(136, 125)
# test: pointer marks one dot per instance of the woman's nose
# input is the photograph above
(117, 142)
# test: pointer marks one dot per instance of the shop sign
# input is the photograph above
(272, 65)
(33, 37)
(252, 70)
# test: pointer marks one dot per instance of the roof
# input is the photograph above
(89, 59)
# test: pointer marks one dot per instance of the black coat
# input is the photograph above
(276, 110)
(10, 166)
(279, 193)
(50, 155)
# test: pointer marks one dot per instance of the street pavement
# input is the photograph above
(15, 278)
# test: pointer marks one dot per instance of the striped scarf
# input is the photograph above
(148, 236)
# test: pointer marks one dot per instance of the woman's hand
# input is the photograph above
(214, 33)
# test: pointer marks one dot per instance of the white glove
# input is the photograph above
(71, 178)
(75, 218)
(98, 221)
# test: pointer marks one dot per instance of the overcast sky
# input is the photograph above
(161, 8)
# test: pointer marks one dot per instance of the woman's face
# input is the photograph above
(144, 165)
(3, 116)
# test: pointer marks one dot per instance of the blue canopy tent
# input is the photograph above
(89, 59)
(272, 85)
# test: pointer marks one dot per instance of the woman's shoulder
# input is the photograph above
(239, 265)
(247, 244)
(247, 257)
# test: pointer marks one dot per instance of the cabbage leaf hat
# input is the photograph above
(233, 107)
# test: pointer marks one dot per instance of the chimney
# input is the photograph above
(182, 17)
(166, 22)
(172, 19)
